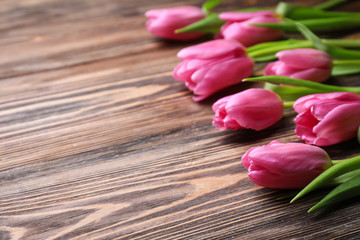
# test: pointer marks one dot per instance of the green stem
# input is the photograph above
(266, 51)
(336, 170)
(345, 67)
(290, 93)
(346, 62)
(336, 161)
(288, 104)
(275, 49)
(342, 42)
(318, 24)
(342, 53)
(303, 83)
(329, 4)
(265, 45)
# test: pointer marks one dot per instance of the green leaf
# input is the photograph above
(285, 26)
(302, 12)
(334, 51)
(346, 190)
(210, 24)
(331, 173)
(343, 178)
(209, 5)
(309, 35)
(330, 4)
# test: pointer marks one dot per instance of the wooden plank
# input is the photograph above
(98, 141)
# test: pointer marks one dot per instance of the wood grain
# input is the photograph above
(98, 141)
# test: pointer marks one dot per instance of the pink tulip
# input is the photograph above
(211, 66)
(285, 165)
(255, 108)
(302, 63)
(164, 22)
(327, 118)
(239, 27)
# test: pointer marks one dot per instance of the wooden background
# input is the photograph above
(98, 141)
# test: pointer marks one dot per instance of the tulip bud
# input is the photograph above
(285, 165)
(327, 118)
(211, 66)
(302, 63)
(164, 22)
(255, 108)
(239, 26)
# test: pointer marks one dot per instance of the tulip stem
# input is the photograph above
(342, 42)
(346, 62)
(277, 48)
(303, 83)
(288, 104)
(334, 162)
(271, 48)
(345, 67)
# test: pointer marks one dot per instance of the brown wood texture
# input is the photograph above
(98, 141)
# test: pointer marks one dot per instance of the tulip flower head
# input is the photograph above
(327, 118)
(239, 26)
(211, 66)
(285, 165)
(164, 22)
(302, 63)
(255, 108)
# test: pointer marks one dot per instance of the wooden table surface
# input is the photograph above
(98, 141)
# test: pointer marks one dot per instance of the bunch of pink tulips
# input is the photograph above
(330, 115)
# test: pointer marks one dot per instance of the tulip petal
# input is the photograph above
(220, 102)
(306, 102)
(340, 124)
(270, 69)
(313, 74)
(255, 108)
(305, 58)
(282, 69)
(285, 166)
(276, 181)
(243, 16)
(164, 22)
(320, 109)
(268, 179)
(247, 34)
(222, 75)
(305, 122)
(213, 49)
(287, 158)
